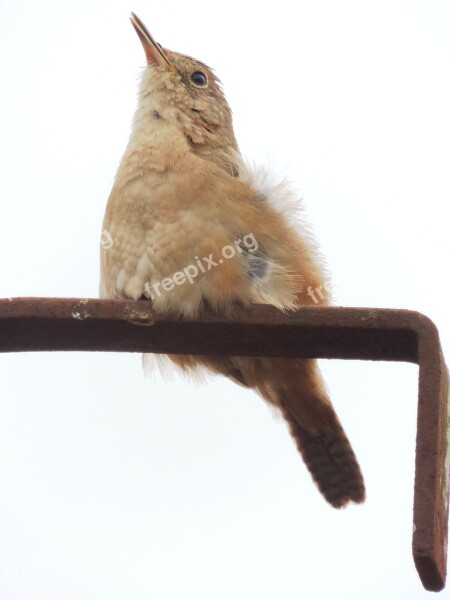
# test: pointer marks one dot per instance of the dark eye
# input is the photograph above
(198, 78)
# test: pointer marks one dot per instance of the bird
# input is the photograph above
(192, 228)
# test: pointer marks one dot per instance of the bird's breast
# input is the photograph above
(165, 244)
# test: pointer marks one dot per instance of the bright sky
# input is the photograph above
(116, 487)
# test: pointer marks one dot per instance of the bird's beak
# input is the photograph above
(153, 52)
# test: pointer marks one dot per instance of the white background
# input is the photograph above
(115, 487)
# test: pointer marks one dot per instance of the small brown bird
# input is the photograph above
(190, 227)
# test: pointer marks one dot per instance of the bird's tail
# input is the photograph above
(297, 388)
(329, 457)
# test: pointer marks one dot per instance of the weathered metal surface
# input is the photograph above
(36, 324)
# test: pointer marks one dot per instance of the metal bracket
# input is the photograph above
(36, 324)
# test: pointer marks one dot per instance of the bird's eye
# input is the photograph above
(199, 79)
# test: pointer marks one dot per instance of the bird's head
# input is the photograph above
(184, 91)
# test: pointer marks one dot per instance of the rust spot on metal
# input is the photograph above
(79, 311)
(141, 315)
(36, 324)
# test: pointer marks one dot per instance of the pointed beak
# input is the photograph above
(153, 51)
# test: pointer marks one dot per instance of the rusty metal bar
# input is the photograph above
(36, 324)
